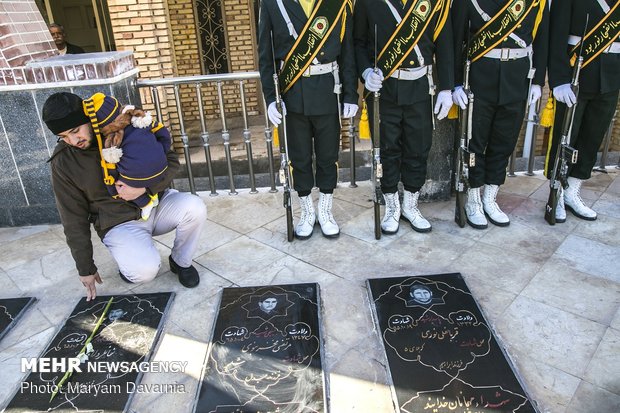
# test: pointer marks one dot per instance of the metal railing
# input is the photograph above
(199, 81)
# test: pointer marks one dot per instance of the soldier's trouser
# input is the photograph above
(325, 129)
(131, 243)
(593, 115)
(406, 137)
(495, 132)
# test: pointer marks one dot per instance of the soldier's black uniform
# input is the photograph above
(500, 87)
(599, 83)
(405, 105)
(311, 104)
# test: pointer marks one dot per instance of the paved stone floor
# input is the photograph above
(552, 294)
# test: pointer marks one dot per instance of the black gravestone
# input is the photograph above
(442, 355)
(265, 354)
(11, 309)
(128, 333)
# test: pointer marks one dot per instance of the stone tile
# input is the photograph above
(522, 185)
(213, 236)
(590, 398)
(31, 323)
(430, 249)
(590, 256)
(193, 309)
(175, 345)
(497, 267)
(244, 212)
(551, 389)
(531, 213)
(359, 384)
(614, 186)
(605, 229)
(10, 361)
(11, 234)
(290, 270)
(537, 243)
(9, 287)
(565, 288)
(362, 227)
(599, 181)
(239, 258)
(615, 322)
(361, 196)
(608, 204)
(492, 301)
(604, 368)
(354, 330)
(508, 201)
(558, 338)
(24, 249)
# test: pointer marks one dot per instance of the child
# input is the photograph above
(133, 147)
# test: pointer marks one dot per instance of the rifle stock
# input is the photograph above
(464, 158)
(284, 173)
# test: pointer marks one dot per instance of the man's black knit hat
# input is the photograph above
(63, 111)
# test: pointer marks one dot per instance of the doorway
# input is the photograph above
(86, 22)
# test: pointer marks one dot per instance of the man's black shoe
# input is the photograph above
(188, 276)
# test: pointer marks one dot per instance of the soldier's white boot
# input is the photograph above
(305, 226)
(560, 210)
(473, 209)
(389, 223)
(491, 209)
(573, 201)
(329, 227)
(411, 213)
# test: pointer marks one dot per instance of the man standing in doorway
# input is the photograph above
(59, 35)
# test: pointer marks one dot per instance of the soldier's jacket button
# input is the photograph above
(322, 53)
(411, 62)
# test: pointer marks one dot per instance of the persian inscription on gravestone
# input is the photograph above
(129, 330)
(11, 310)
(265, 354)
(442, 355)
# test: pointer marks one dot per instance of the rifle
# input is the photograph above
(377, 168)
(565, 154)
(285, 172)
(464, 158)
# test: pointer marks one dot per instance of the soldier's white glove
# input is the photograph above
(459, 97)
(372, 80)
(564, 93)
(443, 104)
(274, 116)
(535, 94)
(350, 110)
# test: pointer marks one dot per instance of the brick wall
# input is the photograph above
(24, 37)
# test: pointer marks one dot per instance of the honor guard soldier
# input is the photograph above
(310, 43)
(599, 82)
(507, 44)
(395, 43)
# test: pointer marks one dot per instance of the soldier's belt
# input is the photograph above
(321, 69)
(410, 74)
(508, 54)
(613, 48)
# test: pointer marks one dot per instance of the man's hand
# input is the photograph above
(126, 192)
(349, 110)
(89, 282)
(443, 104)
(274, 116)
(564, 93)
(372, 80)
(459, 97)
